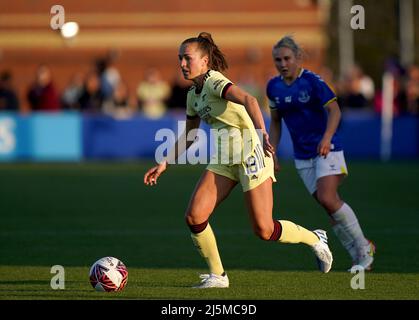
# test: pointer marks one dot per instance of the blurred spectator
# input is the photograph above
(152, 94)
(118, 105)
(393, 65)
(399, 100)
(42, 95)
(412, 90)
(179, 92)
(91, 98)
(356, 90)
(108, 73)
(8, 98)
(72, 92)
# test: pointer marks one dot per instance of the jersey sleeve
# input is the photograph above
(217, 84)
(323, 91)
(269, 93)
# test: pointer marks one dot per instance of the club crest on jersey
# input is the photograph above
(303, 96)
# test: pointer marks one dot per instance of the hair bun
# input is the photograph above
(207, 36)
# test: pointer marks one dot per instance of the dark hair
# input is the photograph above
(288, 42)
(217, 60)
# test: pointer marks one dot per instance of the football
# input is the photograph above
(108, 274)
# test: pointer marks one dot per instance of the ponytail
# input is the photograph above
(217, 60)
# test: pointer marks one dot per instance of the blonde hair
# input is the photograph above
(289, 42)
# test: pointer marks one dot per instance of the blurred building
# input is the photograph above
(144, 34)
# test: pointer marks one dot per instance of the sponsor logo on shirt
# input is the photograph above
(204, 113)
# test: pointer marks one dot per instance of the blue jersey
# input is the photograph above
(302, 106)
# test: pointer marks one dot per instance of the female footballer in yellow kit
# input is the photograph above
(224, 106)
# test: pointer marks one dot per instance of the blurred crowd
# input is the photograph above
(100, 90)
(103, 90)
(357, 91)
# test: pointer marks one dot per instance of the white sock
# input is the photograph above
(346, 218)
(345, 239)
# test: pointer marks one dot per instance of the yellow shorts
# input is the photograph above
(250, 173)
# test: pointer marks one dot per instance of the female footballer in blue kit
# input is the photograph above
(216, 100)
(309, 109)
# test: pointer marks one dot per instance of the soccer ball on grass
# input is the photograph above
(108, 274)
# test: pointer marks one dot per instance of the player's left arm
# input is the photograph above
(334, 116)
(239, 96)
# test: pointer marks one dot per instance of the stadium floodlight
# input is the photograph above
(69, 30)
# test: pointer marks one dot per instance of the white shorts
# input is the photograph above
(311, 170)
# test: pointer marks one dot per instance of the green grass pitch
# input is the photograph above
(74, 214)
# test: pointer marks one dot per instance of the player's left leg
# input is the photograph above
(259, 202)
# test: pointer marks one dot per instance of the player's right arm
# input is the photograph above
(151, 176)
(275, 131)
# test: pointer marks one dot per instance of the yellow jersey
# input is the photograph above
(236, 136)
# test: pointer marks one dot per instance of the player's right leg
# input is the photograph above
(345, 222)
(322, 177)
(210, 191)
